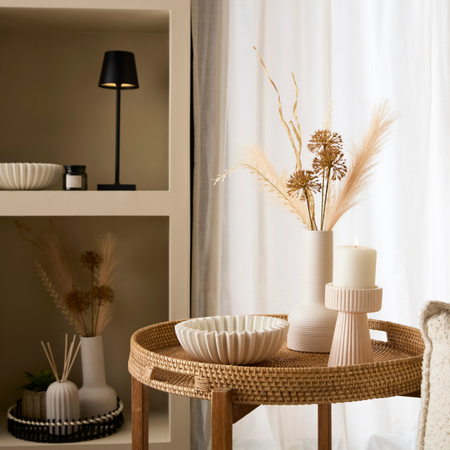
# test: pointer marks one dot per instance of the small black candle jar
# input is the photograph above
(75, 178)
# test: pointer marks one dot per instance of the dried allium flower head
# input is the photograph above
(91, 260)
(325, 140)
(104, 294)
(330, 163)
(303, 180)
(77, 301)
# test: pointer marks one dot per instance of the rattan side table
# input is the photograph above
(289, 378)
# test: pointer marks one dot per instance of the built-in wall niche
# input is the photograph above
(52, 109)
(29, 315)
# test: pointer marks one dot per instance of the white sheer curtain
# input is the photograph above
(246, 248)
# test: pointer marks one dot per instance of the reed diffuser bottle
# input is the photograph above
(62, 402)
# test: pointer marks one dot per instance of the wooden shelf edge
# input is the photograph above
(92, 203)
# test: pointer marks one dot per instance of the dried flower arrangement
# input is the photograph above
(340, 186)
(89, 311)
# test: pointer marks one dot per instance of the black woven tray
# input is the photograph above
(88, 429)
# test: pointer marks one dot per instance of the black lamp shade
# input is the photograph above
(119, 71)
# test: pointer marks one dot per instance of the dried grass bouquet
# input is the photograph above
(88, 310)
(338, 184)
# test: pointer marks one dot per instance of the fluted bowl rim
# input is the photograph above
(28, 176)
(232, 339)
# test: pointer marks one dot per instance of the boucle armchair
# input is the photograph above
(434, 419)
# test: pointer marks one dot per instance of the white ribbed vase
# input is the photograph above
(62, 405)
(96, 397)
(311, 324)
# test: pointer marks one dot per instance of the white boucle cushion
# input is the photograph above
(434, 419)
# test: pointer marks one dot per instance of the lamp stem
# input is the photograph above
(118, 134)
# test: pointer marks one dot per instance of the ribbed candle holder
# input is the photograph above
(351, 340)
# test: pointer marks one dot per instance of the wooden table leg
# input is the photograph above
(324, 411)
(222, 419)
(139, 415)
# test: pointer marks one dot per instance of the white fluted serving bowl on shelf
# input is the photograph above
(28, 176)
(238, 340)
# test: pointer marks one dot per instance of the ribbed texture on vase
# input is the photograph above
(311, 323)
(351, 342)
(313, 336)
(353, 300)
(311, 328)
(62, 405)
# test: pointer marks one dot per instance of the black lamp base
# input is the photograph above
(116, 187)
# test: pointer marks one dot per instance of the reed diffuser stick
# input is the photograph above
(68, 359)
(55, 372)
(65, 356)
(53, 359)
(73, 359)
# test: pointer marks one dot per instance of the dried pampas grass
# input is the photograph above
(61, 271)
(256, 162)
(89, 311)
(340, 187)
(342, 194)
(107, 245)
(74, 319)
(362, 159)
(105, 315)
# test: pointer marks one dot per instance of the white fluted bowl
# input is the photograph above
(237, 340)
(28, 176)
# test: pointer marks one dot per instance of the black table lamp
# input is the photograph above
(118, 72)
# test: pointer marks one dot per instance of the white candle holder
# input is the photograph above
(351, 340)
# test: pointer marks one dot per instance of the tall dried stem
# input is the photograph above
(362, 161)
(104, 317)
(295, 127)
(107, 245)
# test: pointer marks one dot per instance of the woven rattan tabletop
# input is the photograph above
(288, 378)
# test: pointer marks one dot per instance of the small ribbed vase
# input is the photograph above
(62, 406)
(311, 324)
(96, 397)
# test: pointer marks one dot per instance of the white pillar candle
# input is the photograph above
(354, 267)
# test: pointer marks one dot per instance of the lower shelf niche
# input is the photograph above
(30, 315)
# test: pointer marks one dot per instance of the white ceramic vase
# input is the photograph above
(311, 324)
(62, 405)
(96, 397)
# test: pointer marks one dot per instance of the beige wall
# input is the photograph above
(52, 110)
(28, 314)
